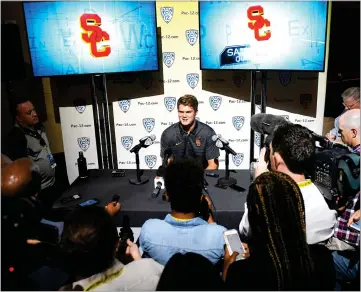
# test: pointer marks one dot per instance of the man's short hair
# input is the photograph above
(184, 181)
(88, 241)
(296, 146)
(188, 100)
(15, 103)
(351, 92)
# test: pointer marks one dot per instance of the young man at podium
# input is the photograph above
(189, 138)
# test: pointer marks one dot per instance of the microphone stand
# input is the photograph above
(141, 179)
(227, 180)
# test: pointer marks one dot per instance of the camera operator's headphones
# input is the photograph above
(349, 174)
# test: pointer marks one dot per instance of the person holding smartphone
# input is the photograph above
(279, 258)
(189, 226)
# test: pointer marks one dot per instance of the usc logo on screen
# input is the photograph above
(258, 22)
(94, 35)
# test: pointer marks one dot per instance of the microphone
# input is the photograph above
(265, 124)
(158, 182)
(143, 143)
(167, 153)
(223, 144)
(125, 233)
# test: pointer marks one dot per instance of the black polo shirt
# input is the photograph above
(197, 144)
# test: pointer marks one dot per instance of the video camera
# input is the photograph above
(336, 171)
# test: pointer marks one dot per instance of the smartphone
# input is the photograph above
(115, 199)
(237, 188)
(118, 173)
(89, 203)
(355, 226)
(233, 243)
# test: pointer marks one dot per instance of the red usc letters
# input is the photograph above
(94, 34)
(257, 22)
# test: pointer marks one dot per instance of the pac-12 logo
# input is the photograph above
(237, 159)
(192, 79)
(150, 160)
(170, 103)
(149, 124)
(124, 105)
(192, 36)
(215, 102)
(94, 35)
(168, 58)
(238, 122)
(80, 109)
(306, 100)
(84, 143)
(257, 23)
(167, 13)
(127, 142)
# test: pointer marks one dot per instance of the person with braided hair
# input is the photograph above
(279, 256)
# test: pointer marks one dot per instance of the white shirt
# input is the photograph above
(320, 220)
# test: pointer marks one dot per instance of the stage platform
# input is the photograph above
(137, 202)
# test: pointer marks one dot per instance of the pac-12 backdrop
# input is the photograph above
(223, 98)
(91, 37)
(263, 35)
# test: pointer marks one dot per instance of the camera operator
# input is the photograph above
(292, 151)
(345, 242)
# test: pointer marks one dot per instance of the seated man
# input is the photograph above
(183, 230)
(190, 138)
(345, 242)
(351, 100)
(89, 244)
(291, 151)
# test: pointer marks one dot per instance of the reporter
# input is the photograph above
(89, 243)
(279, 252)
(292, 152)
(189, 227)
(351, 100)
(345, 243)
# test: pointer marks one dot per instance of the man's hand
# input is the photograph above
(212, 165)
(111, 209)
(262, 164)
(209, 202)
(330, 136)
(354, 218)
(132, 250)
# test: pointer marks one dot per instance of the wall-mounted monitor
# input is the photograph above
(86, 37)
(263, 35)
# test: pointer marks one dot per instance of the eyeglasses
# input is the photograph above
(351, 106)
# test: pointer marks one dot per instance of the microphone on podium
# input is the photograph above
(143, 143)
(223, 144)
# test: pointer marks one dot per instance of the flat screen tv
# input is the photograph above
(86, 37)
(263, 35)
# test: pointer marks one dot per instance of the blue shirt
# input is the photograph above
(161, 239)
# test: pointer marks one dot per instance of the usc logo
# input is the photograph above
(257, 22)
(94, 35)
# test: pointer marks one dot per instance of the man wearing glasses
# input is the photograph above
(351, 100)
(27, 138)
